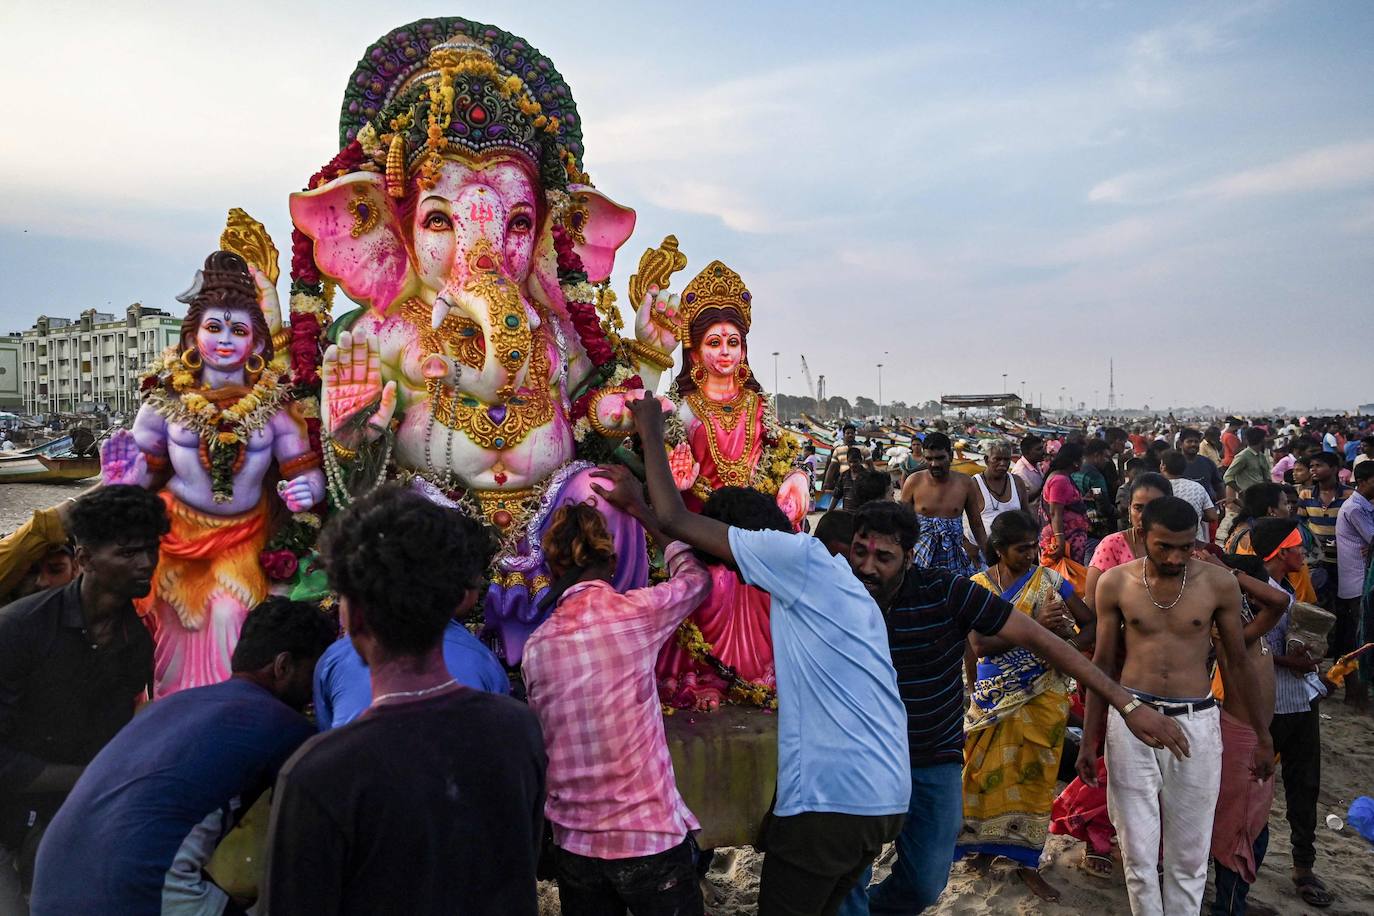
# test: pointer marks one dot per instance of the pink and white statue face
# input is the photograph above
(474, 219)
(225, 338)
(721, 350)
(484, 214)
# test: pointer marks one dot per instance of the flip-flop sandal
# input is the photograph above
(1313, 892)
(1098, 866)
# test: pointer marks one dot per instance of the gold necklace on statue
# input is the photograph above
(725, 416)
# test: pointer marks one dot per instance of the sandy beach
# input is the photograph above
(1345, 861)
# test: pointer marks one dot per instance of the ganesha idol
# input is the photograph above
(458, 217)
(214, 429)
(729, 437)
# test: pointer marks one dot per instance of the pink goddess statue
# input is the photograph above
(215, 418)
(729, 438)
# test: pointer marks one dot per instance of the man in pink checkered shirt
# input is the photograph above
(621, 829)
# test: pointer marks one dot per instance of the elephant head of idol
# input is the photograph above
(460, 170)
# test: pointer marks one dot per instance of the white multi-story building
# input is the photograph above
(93, 363)
(11, 397)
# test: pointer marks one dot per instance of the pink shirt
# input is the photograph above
(1281, 467)
(589, 671)
(1113, 551)
(1030, 474)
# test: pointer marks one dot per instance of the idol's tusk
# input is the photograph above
(441, 310)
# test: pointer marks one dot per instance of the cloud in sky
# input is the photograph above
(956, 192)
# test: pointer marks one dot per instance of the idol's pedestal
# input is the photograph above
(726, 764)
(727, 769)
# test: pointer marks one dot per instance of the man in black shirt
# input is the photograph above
(1200, 469)
(432, 801)
(930, 614)
(73, 663)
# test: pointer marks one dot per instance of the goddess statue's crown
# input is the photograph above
(450, 84)
(716, 287)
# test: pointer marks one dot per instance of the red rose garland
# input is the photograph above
(584, 316)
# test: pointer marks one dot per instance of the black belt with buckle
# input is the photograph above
(1181, 709)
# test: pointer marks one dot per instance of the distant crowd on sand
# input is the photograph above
(1069, 531)
(940, 640)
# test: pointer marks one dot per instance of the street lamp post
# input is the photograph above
(1004, 383)
(880, 392)
(776, 403)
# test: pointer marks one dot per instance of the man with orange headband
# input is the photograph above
(1296, 726)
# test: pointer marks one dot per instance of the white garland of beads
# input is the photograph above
(333, 474)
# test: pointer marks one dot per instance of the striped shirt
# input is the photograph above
(927, 630)
(1293, 691)
(1321, 517)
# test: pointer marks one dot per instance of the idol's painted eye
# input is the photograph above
(521, 223)
(241, 330)
(438, 222)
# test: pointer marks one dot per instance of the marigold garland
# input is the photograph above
(741, 690)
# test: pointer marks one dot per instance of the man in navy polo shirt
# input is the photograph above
(147, 814)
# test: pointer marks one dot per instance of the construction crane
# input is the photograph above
(811, 386)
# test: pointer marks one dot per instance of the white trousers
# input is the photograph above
(1151, 796)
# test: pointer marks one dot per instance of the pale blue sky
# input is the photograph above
(955, 190)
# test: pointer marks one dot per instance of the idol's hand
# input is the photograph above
(684, 466)
(1154, 729)
(122, 461)
(794, 497)
(655, 319)
(296, 493)
(267, 299)
(350, 382)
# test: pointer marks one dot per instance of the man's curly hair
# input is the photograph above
(117, 514)
(406, 562)
(281, 625)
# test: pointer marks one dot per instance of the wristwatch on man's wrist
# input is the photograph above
(1130, 707)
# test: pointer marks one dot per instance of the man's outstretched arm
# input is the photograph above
(673, 516)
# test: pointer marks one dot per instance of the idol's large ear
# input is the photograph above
(357, 240)
(605, 226)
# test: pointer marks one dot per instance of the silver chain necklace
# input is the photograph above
(1006, 488)
(1145, 578)
(415, 693)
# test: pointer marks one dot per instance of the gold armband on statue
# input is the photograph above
(306, 461)
(651, 355)
(341, 451)
(281, 340)
(595, 422)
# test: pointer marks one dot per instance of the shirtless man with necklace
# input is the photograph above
(1166, 604)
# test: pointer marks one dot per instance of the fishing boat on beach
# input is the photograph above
(70, 457)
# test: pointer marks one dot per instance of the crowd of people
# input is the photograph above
(937, 640)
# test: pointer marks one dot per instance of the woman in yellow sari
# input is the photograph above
(1015, 723)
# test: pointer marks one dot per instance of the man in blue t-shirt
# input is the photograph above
(929, 614)
(135, 834)
(843, 774)
(343, 686)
